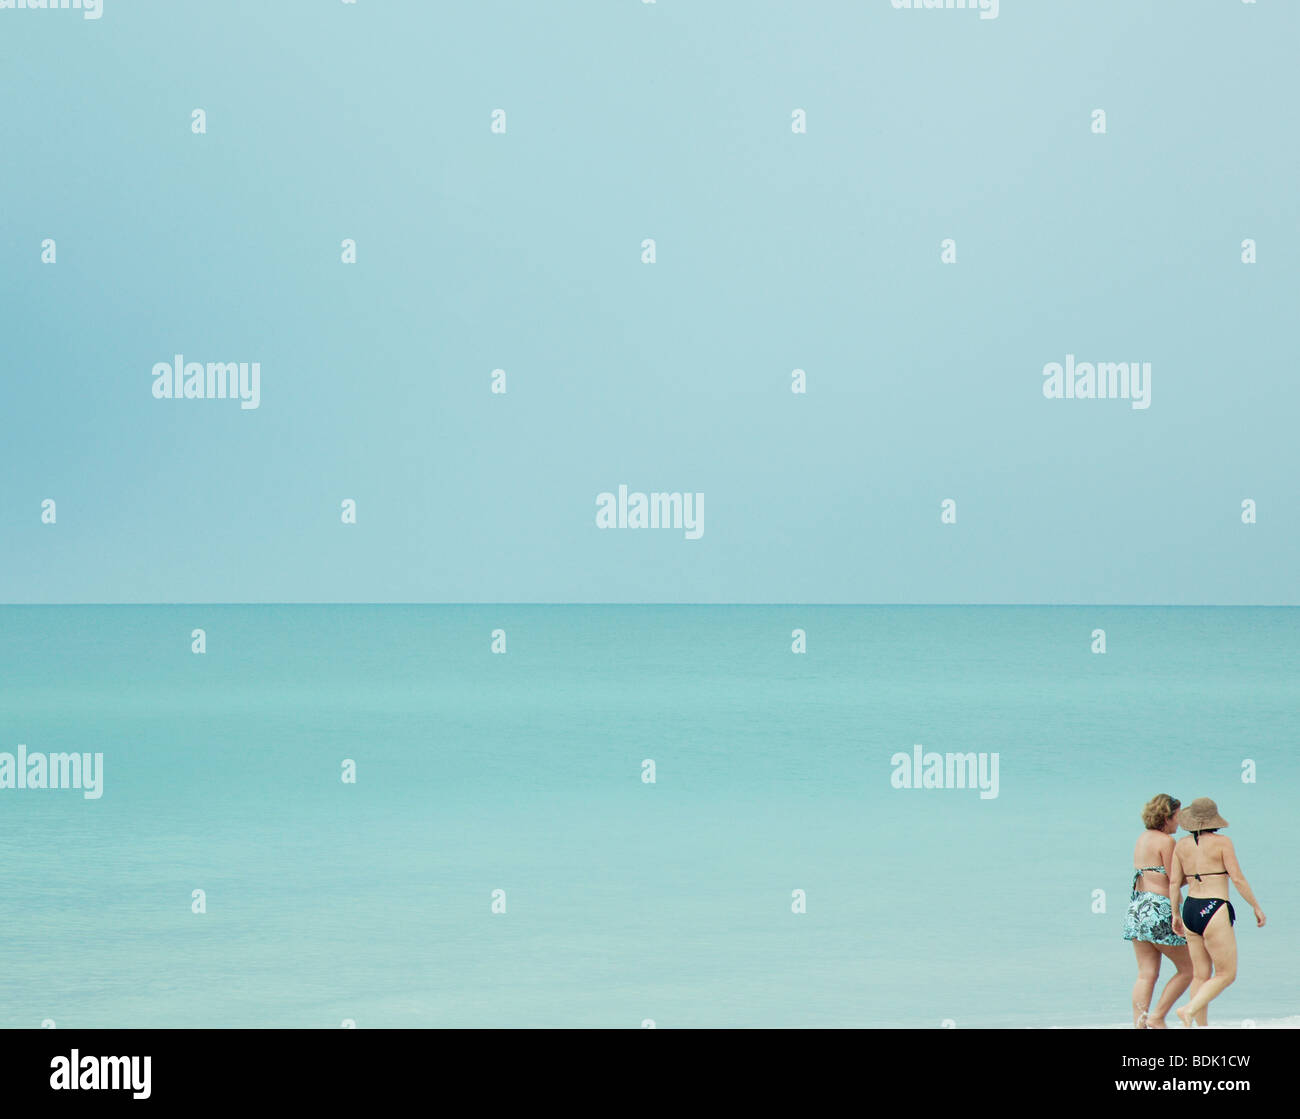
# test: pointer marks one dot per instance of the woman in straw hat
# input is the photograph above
(1207, 862)
(1148, 923)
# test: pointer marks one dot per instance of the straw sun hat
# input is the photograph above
(1201, 815)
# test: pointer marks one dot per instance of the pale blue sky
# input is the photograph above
(776, 252)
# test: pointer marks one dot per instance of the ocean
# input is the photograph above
(503, 859)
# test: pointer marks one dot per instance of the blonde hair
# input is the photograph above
(1159, 810)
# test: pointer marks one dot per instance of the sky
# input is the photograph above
(525, 250)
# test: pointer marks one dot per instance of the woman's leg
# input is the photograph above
(1182, 960)
(1221, 943)
(1148, 961)
(1202, 969)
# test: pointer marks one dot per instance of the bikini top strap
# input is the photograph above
(1137, 874)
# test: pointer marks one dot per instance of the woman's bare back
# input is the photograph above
(1153, 848)
(1206, 859)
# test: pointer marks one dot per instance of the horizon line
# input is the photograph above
(872, 605)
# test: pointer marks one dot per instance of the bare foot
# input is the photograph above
(1140, 1022)
(1156, 1024)
(1184, 1017)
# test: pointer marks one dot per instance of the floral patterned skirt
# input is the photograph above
(1151, 917)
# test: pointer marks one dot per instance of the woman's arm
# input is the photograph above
(1176, 892)
(1233, 868)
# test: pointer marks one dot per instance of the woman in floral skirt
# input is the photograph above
(1149, 922)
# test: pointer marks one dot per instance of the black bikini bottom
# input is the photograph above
(1198, 911)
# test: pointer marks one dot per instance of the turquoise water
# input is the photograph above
(624, 900)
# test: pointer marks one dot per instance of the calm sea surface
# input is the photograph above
(624, 900)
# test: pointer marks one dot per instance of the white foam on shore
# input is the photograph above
(1292, 1023)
